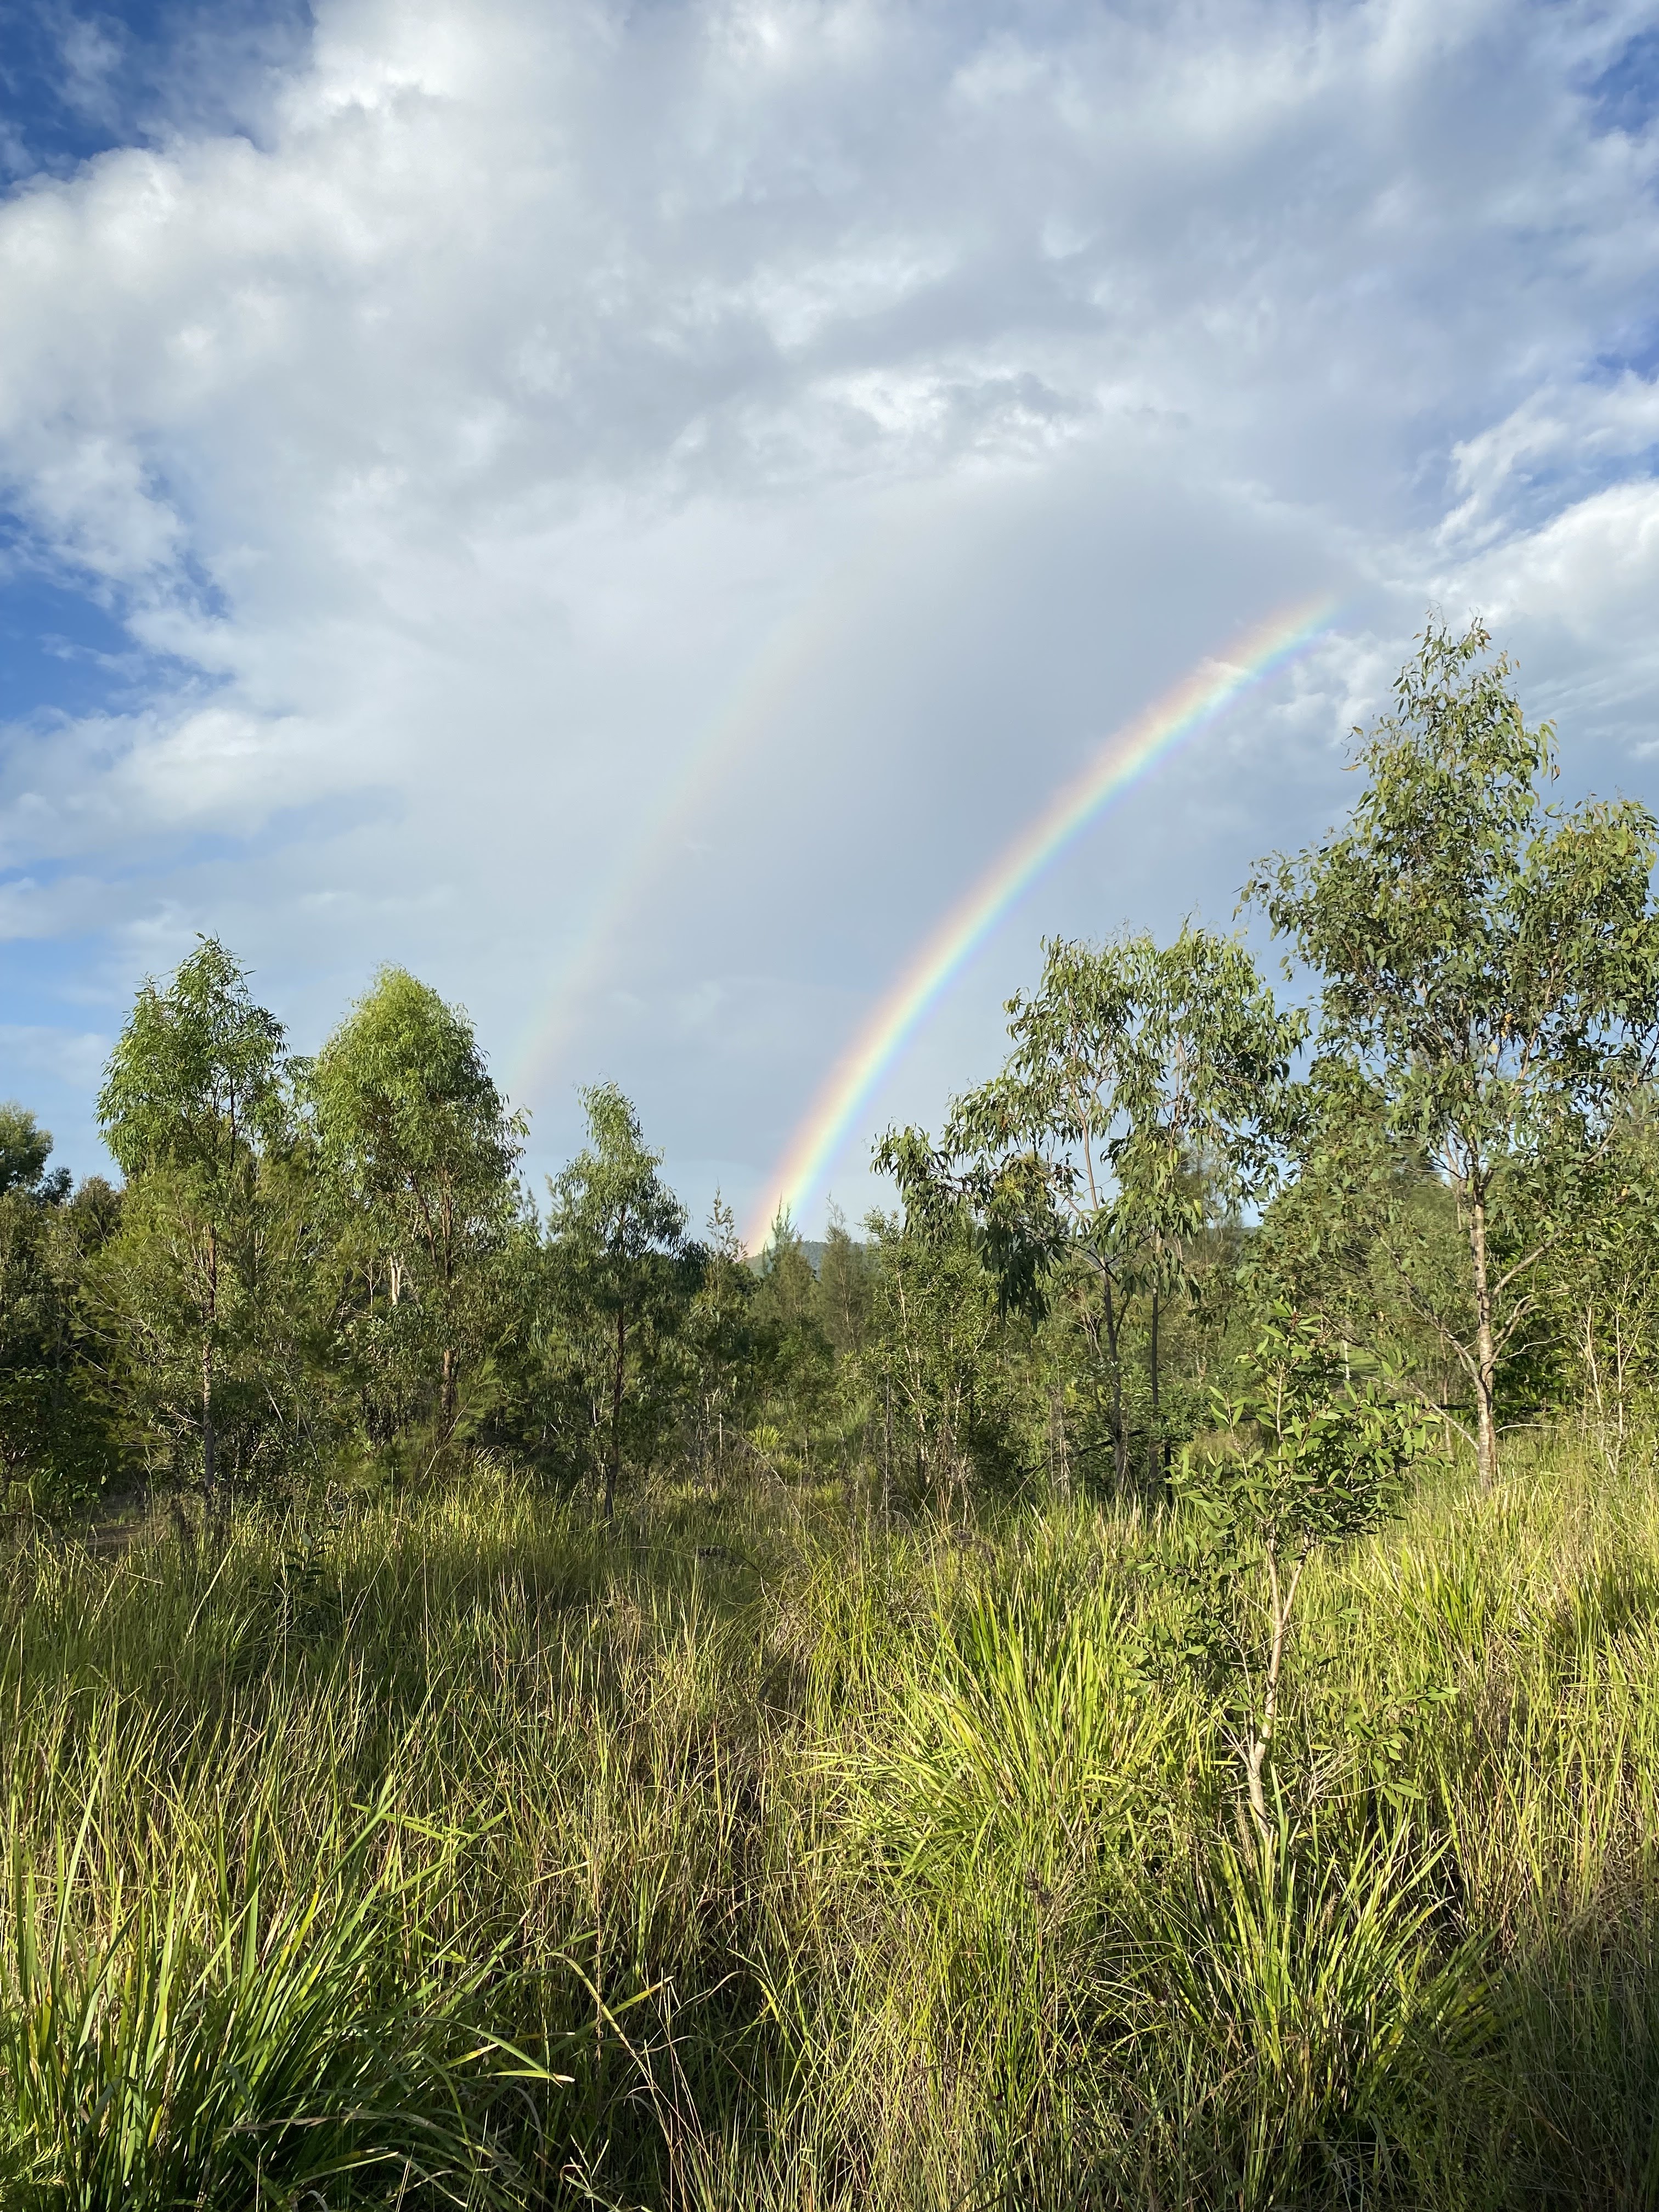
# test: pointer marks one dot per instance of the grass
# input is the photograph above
(452, 1851)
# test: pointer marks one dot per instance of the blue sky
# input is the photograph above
(624, 509)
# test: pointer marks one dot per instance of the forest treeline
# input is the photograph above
(1437, 1167)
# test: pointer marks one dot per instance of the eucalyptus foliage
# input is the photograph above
(1489, 969)
(617, 1272)
(193, 1099)
(422, 1151)
(1138, 1100)
(1307, 1452)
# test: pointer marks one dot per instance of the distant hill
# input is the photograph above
(813, 1247)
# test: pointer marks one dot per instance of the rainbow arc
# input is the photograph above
(1128, 753)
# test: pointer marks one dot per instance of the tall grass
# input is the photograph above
(753, 1854)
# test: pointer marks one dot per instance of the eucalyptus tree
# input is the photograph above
(1489, 978)
(1141, 1091)
(1306, 1453)
(727, 1344)
(846, 1284)
(53, 1441)
(25, 1148)
(621, 1270)
(1606, 1287)
(794, 1348)
(929, 1358)
(192, 1097)
(419, 1144)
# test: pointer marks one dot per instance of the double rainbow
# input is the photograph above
(1127, 754)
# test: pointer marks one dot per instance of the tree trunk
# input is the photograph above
(613, 1461)
(209, 1457)
(210, 1454)
(446, 1384)
(1120, 1432)
(1486, 1352)
(1151, 1439)
(887, 1461)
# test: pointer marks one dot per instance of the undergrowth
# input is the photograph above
(456, 1850)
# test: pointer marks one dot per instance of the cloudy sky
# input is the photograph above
(626, 509)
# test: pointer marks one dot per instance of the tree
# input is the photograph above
(1307, 1454)
(798, 1359)
(1364, 1234)
(1606, 1283)
(419, 1144)
(930, 1355)
(622, 1273)
(726, 1348)
(191, 1094)
(789, 1283)
(846, 1283)
(53, 1440)
(25, 1148)
(1140, 1090)
(1488, 967)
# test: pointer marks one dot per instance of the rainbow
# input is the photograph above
(1127, 753)
(801, 643)
(795, 648)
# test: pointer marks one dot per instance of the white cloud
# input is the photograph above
(877, 400)
(1554, 436)
(75, 1060)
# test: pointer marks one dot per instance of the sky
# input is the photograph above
(628, 510)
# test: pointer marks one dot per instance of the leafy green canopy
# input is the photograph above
(1131, 1061)
(194, 1081)
(54, 1439)
(193, 1097)
(1490, 959)
(621, 1272)
(417, 1144)
(407, 1112)
(611, 1209)
(1132, 1064)
(1306, 1453)
(1139, 1098)
(25, 1148)
(1489, 967)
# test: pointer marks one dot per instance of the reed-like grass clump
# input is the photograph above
(757, 1853)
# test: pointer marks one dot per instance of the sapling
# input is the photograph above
(1309, 1453)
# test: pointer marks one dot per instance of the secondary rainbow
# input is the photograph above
(758, 701)
(1127, 753)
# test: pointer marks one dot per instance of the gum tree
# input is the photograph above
(1141, 1089)
(191, 1098)
(52, 1438)
(1488, 972)
(418, 1142)
(621, 1272)
(1305, 1456)
(25, 1148)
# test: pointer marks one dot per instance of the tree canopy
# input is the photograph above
(1488, 965)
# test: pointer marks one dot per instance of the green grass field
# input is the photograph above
(452, 1850)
